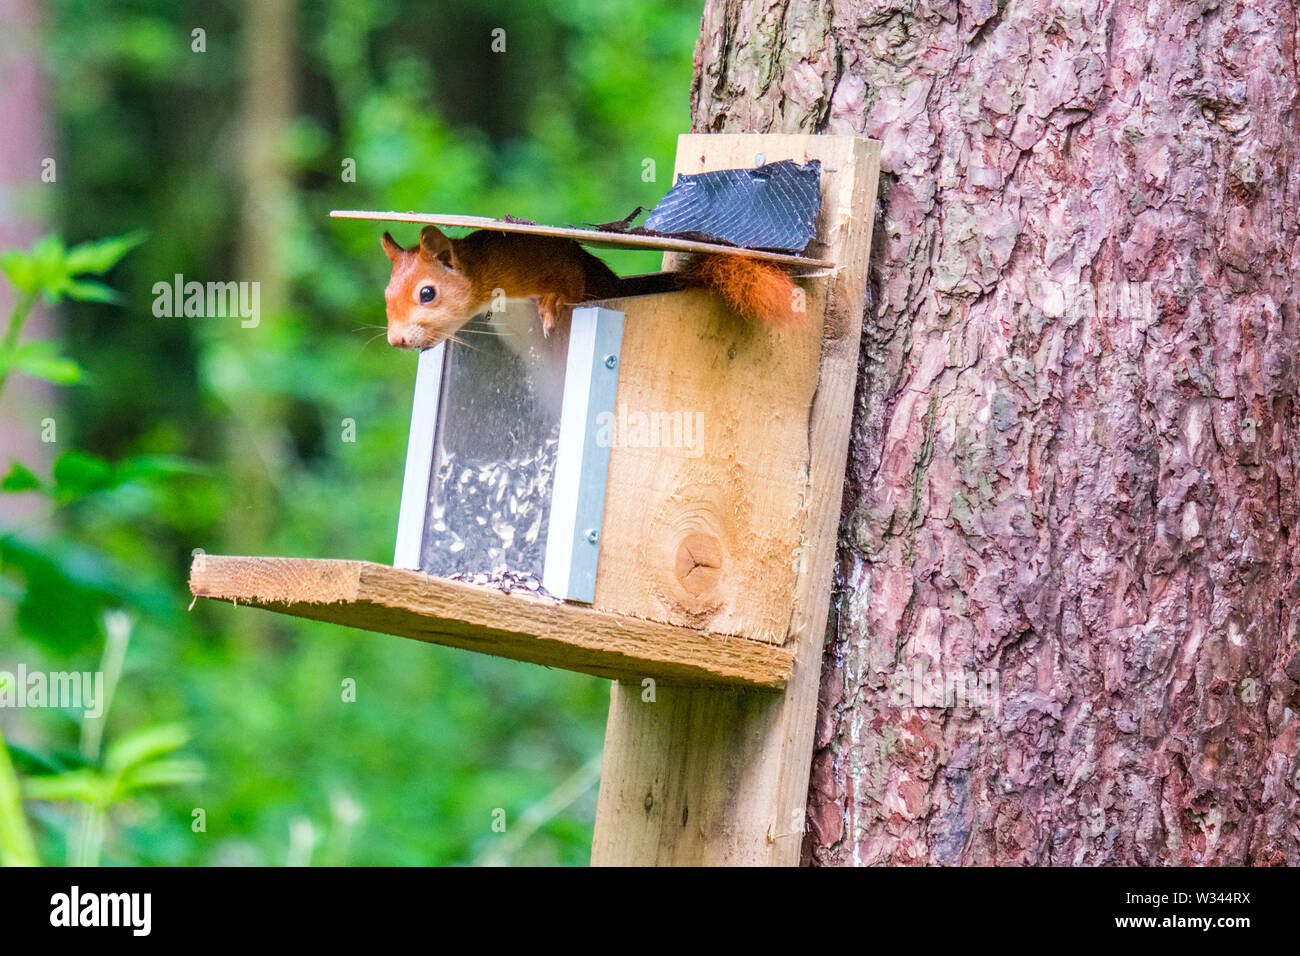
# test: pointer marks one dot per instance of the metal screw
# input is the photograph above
(759, 159)
(593, 535)
(611, 361)
(731, 353)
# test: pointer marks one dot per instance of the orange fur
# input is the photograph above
(466, 273)
(754, 288)
(557, 273)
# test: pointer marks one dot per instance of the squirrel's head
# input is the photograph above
(429, 298)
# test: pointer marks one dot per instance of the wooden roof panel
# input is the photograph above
(588, 237)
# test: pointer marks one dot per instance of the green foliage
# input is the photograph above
(561, 127)
(51, 270)
(78, 474)
(139, 761)
(16, 847)
(40, 360)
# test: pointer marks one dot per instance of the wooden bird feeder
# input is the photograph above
(666, 510)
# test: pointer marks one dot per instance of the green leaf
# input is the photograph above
(144, 467)
(21, 271)
(77, 474)
(143, 745)
(41, 359)
(171, 771)
(84, 786)
(16, 846)
(20, 478)
(100, 255)
(50, 269)
(48, 250)
(33, 763)
(83, 290)
(66, 586)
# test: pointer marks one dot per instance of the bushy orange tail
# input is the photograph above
(754, 288)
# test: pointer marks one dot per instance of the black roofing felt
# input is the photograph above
(767, 207)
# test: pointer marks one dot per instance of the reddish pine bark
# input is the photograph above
(24, 147)
(1074, 457)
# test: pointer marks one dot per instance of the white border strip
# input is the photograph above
(582, 462)
(567, 484)
(419, 459)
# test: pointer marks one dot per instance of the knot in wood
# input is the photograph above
(699, 562)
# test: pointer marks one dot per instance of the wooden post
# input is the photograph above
(705, 776)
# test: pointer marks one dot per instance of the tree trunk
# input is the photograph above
(1072, 484)
(255, 439)
(24, 199)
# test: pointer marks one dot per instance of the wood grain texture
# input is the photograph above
(721, 777)
(703, 509)
(376, 597)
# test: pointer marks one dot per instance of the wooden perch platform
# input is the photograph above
(376, 597)
(601, 239)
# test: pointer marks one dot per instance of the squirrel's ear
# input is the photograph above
(391, 248)
(435, 246)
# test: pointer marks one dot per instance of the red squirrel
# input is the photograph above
(439, 285)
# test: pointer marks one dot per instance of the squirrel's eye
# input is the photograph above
(427, 294)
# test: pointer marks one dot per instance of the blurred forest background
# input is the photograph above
(176, 434)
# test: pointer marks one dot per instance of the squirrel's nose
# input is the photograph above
(396, 338)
